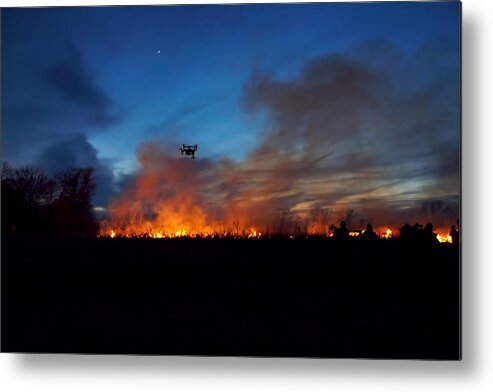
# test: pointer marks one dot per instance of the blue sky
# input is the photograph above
(86, 85)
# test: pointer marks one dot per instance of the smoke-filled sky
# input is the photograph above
(300, 106)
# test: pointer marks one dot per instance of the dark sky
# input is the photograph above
(362, 100)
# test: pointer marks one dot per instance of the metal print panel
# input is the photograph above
(234, 180)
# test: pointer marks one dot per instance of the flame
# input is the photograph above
(236, 232)
(172, 198)
(254, 233)
(444, 238)
(152, 233)
(251, 233)
(387, 234)
(160, 234)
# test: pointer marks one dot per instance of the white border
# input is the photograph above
(474, 373)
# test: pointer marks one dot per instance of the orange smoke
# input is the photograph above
(173, 197)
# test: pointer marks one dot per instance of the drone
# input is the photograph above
(188, 150)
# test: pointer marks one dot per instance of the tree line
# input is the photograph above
(33, 203)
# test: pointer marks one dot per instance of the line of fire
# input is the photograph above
(416, 232)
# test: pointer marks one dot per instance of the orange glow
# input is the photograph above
(172, 198)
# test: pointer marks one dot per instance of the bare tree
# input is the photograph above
(32, 186)
(77, 186)
(33, 203)
(74, 212)
(7, 171)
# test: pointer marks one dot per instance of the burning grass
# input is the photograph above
(384, 233)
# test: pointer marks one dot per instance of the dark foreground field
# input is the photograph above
(315, 298)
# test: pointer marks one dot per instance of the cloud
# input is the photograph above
(74, 84)
(48, 98)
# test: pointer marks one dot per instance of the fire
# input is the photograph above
(444, 237)
(118, 233)
(387, 234)
(174, 198)
(169, 197)
(160, 234)
(253, 233)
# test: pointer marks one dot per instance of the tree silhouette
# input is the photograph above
(34, 203)
(33, 186)
(6, 172)
(26, 192)
(74, 211)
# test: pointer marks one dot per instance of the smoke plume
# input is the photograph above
(368, 135)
